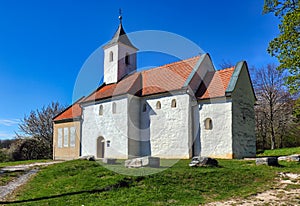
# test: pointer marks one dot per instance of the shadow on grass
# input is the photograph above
(125, 183)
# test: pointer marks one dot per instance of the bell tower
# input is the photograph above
(119, 56)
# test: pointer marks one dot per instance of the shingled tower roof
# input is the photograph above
(120, 36)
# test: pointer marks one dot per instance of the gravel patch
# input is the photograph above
(278, 196)
(13, 185)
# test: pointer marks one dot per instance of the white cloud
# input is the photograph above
(9, 122)
(6, 135)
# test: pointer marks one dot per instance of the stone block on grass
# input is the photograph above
(270, 161)
(87, 157)
(203, 162)
(147, 161)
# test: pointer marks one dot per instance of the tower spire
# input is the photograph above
(120, 15)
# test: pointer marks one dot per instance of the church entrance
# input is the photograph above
(100, 147)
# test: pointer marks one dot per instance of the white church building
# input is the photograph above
(175, 111)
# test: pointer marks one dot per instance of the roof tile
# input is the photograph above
(217, 84)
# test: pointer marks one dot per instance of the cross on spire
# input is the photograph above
(120, 15)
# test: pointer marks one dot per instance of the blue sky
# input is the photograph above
(44, 44)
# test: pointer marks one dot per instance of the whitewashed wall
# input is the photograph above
(216, 142)
(111, 68)
(169, 130)
(244, 141)
(115, 70)
(126, 68)
(133, 126)
(112, 127)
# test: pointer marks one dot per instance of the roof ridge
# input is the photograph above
(229, 68)
(177, 62)
(171, 64)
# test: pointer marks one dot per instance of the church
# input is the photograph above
(175, 111)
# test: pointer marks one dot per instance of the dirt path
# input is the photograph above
(13, 185)
(281, 195)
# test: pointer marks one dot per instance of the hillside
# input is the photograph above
(89, 183)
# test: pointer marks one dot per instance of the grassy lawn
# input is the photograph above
(5, 164)
(82, 182)
(280, 152)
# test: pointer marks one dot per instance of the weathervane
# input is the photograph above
(120, 15)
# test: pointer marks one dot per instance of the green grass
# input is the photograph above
(5, 178)
(5, 164)
(89, 183)
(280, 152)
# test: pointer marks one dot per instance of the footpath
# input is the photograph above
(29, 169)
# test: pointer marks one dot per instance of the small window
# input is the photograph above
(114, 108)
(144, 107)
(72, 136)
(66, 137)
(111, 56)
(59, 136)
(158, 105)
(108, 143)
(208, 124)
(127, 59)
(101, 110)
(173, 104)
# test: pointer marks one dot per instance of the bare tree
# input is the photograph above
(38, 125)
(274, 106)
(226, 64)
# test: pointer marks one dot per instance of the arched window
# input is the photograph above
(158, 105)
(127, 59)
(114, 108)
(101, 110)
(173, 104)
(208, 124)
(144, 107)
(111, 56)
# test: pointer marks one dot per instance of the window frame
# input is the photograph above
(208, 124)
(59, 137)
(114, 108)
(173, 103)
(100, 112)
(111, 56)
(158, 105)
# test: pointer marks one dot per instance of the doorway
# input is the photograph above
(100, 147)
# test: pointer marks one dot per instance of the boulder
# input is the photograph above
(203, 162)
(109, 161)
(291, 158)
(283, 158)
(294, 158)
(87, 157)
(147, 161)
(270, 161)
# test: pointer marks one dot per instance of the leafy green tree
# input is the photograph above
(286, 47)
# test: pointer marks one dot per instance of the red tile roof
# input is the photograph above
(125, 86)
(72, 112)
(165, 78)
(169, 77)
(217, 84)
(161, 79)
